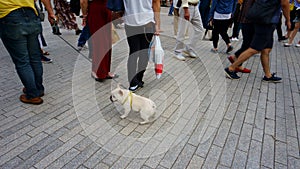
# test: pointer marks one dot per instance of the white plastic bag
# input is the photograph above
(156, 55)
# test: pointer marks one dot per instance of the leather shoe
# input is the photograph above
(36, 100)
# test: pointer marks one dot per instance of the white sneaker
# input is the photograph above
(235, 39)
(297, 45)
(190, 53)
(179, 56)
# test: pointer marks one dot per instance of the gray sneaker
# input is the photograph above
(179, 56)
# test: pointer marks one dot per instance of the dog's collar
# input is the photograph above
(129, 95)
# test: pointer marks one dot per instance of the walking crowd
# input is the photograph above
(21, 33)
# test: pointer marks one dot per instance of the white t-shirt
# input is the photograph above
(221, 16)
(138, 12)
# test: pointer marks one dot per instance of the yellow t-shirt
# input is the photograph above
(7, 6)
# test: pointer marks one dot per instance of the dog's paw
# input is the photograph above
(122, 117)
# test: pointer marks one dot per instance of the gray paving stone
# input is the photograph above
(58, 152)
(250, 116)
(154, 161)
(12, 163)
(102, 166)
(280, 152)
(212, 157)
(269, 127)
(82, 157)
(229, 150)
(15, 136)
(206, 142)
(96, 158)
(40, 154)
(280, 129)
(293, 146)
(280, 166)
(184, 157)
(237, 123)
(110, 159)
(291, 129)
(239, 160)
(137, 163)
(260, 118)
(268, 156)
(65, 158)
(245, 137)
(196, 162)
(254, 154)
(293, 163)
(222, 133)
(257, 134)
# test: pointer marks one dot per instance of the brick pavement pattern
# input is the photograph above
(206, 120)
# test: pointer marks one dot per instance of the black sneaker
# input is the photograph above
(46, 60)
(273, 79)
(231, 74)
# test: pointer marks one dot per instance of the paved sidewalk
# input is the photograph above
(206, 120)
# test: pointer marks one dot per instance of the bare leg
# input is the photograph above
(242, 58)
(265, 61)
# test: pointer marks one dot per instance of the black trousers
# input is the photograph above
(248, 33)
(138, 38)
(220, 28)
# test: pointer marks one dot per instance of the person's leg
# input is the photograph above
(278, 29)
(134, 46)
(84, 36)
(293, 33)
(175, 21)
(248, 33)
(145, 40)
(182, 26)
(265, 62)
(20, 40)
(215, 33)
(198, 28)
(223, 32)
(171, 9)
(242, 58)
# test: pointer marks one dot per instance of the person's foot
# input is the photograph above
(283, 38)
(239, 69)
(273, 78)
(179, 56)
(297, 45)
(190, 53)
(234, 39)
(229, 49)
(287, 45)
(231, 74)
(214, 50)
(36, 100)
(78, 31)
(46, 60)
(134, 88)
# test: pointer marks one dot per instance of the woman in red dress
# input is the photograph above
(99, 21)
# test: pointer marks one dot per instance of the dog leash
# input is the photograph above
(129, 95)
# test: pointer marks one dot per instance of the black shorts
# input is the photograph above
(263, 36)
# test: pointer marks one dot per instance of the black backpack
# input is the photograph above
(262, 11)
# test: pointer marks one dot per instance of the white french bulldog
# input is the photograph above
(131, 101)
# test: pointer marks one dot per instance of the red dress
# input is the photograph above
(99, 22)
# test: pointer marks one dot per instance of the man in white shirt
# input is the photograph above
(188, 11)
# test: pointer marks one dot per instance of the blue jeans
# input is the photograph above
(19, 34)
(84, 36)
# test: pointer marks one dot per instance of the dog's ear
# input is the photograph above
(121, 92)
